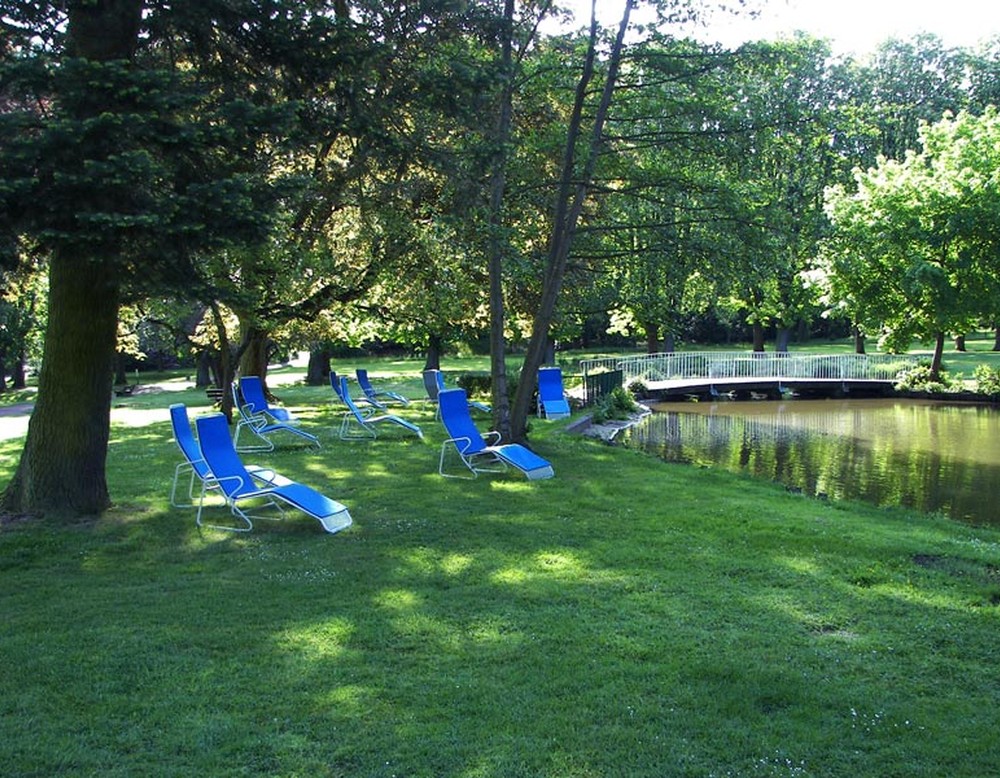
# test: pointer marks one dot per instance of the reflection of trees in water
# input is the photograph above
(895, 456)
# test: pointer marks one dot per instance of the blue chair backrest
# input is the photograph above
(550, 383)
(253, 393)
(220, 454)
(345, 395)
(458, 421)
(335, 383)
(433, 383)
(363, 382)
(185, 439)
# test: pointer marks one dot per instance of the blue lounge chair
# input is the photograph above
(476, 454)
(434, 384)
(360, 425)
(552, 402)
(195, 466)
(337, 389)
(260, 418)
(239, 486)
(384, 397)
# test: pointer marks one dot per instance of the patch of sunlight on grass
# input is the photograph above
(456, 564)
(397, 599)
(318, 641)
(545, 564)
(510, 575)
(914, 595)
(352, 696)
(560, 563)
(510, 485)
(802, 565)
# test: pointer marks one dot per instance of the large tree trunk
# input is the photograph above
(938, 360)
(62, 466)
(318, 369)
(960, 343)
(203, 370)
(226, 372)
(500, 396)
(859, 340)
(573, 190)
(758, 337)
(256, 343)
(18, 377)
(435, 348)
(652, 330)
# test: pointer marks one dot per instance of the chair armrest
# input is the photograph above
(461, 449)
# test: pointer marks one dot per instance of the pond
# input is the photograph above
(924, 455)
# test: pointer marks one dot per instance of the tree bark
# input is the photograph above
(758, 337)
(226, 372)
(435, 348)
(960, 343)
(18, 377)
(203, 370)
(318, 369)
(859, 340)
(254, 360)
(938, 360)
(500, 397)
(652, 336)
(62, 469)
(62, 466)
(573, 190)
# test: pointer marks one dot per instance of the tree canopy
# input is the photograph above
(334, 171)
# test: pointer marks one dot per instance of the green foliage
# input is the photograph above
(914, 246)
(637, 387)
(475, 384)
(616, 405)
(727, 628)
(987, 379)
(921, 379)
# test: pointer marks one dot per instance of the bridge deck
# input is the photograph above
(685, 386)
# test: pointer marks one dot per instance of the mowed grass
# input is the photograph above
(626, 618)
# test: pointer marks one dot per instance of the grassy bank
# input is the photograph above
(627, 618)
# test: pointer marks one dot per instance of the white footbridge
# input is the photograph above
(722, 372)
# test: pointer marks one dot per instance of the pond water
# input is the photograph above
(928, 456)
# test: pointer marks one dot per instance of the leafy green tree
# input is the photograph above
(915, 247)
(119, 156)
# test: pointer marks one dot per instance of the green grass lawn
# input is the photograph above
(626, 618)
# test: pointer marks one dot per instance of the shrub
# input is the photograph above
(987, 380)
(476, 384)
(638, 388)
(616, 405)
(919, 379)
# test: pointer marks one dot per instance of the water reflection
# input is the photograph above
(922, 455)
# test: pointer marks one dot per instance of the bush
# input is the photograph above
(919, 379)
(987, 380)
(638, 388)
(616, 405)
(476, 384)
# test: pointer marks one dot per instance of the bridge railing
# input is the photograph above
(722, 365)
